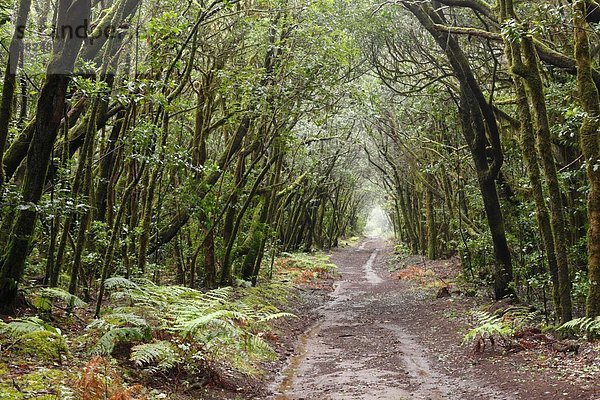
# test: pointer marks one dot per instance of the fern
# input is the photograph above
(125, 319)
(489, 327)
(161, 355)
(518, 317)
(190, 326)
(115, 336)
(272, 294)
(224, 326)
(268, 317)
(498, 328)
(118, 282)
(257, 346)
(586, 326)
(59, 294)
(120, 327)
(19, 327)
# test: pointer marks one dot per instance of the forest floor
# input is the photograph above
(385, 335)
(374, 328)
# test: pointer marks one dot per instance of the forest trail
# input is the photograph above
(359, 350)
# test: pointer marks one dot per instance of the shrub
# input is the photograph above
(586, 327)
(215, 327)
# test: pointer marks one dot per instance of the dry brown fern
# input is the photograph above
(99, 381)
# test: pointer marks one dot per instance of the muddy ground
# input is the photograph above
(379, 337)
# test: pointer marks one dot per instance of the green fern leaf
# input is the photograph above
(162, 354)
(59, 294)
(110, 339)
(118, 282)
(22, 326)
(585, 326)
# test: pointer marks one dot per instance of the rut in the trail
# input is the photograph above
(359, 350)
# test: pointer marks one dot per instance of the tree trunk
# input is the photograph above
(431, 231)
(590, 146)
(210, 268)
(535, 89)
(477, 119)
(50, 109)
(15, 51)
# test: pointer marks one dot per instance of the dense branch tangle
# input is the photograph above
(176, 146)
(500, 118)
(224, 132)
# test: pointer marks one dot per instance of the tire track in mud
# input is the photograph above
(358, 348)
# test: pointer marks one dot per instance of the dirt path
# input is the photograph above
(361, 347)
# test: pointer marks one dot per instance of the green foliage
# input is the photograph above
(498, 328)
(581, 285)
(22, 326)
(5, 11)
(33, 337)
(586, 326)
(160, 356)
(402, 249)
(273, 295)
(118, 282)
(217, 326)
(115, 336)
(43, 299)
(489, 326)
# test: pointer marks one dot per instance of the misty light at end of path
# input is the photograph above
(378, 223)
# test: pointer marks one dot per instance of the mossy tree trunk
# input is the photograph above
(590, 146)
(529, 70)
(50, 110)
(530, 156)
(479, 126)
(10, 78)
(431, 228)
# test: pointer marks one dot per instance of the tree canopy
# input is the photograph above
(191, 142)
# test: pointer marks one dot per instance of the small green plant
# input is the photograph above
(490, 328)
(21, 326)
(117, 335)
(497, 329)
(402, 249)
(156, 356)
(221, 326)
(45, 299)
(586, 327)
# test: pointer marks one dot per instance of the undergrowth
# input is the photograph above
(497, 329)
(174, 327)
(148, 331)
(586, 327)
(306, 268)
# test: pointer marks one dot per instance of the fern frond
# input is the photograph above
(273, 317)
(222, 294)
(19, 327)
(162, 354)
(110, 339)
(256, 346)
(585, 326)
(59, 294)
(124, 319)
(489, 326)
(118, 282)
(217, 318)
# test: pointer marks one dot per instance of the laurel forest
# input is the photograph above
(183, 184)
